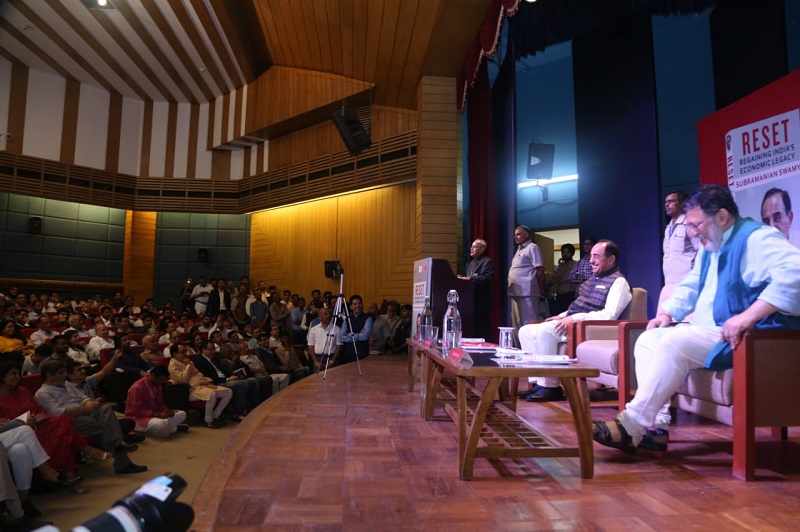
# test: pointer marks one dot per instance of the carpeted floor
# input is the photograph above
(187, 454)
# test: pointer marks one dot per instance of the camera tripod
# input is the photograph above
(341, 314)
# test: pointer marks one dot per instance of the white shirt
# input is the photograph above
(318, 337)
(769, 258)
(39, 336)
(95, 345)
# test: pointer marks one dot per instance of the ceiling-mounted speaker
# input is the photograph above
(35, 225)
(351, 129)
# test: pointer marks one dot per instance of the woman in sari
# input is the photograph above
(56, 434)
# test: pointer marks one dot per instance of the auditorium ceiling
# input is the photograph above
(197, 50)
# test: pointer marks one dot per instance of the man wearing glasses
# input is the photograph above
(747, 276)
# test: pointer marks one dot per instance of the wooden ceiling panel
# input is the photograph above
(195, 51)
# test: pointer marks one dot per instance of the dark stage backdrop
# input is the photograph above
(615, 114)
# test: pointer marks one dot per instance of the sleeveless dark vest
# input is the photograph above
(593, 293)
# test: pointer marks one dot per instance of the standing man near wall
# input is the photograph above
(481, 272)
(525, 279)
(200, 294)
(679, 248)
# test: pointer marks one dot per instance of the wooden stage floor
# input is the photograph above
(352, 453)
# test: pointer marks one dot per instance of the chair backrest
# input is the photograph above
(637, 308)
(31, 382)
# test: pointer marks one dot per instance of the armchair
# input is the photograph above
(762, 385)
(599, 344)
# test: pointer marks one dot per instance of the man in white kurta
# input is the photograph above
(525, 279)
(604, 296)
(665, 355)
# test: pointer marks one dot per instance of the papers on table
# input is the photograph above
(517, 357)
(477, 345)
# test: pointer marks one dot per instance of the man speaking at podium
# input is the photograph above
(481, 271)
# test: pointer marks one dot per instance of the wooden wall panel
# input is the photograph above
(282, 93)
(114, 132)
(372, 233)
(16, 107)
(69, 129)
(140, 254)
(322, 139)
(437, 182)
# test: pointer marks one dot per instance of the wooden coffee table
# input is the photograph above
(490, 428)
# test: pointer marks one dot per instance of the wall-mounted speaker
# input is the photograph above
(351, 129)
(203, 255)
(540, 160)
(35, 225)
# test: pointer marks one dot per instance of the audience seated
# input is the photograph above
(150, 352)
(76, 324)
(25, 453)
(145, 405)
(90, 417)
(55, 433)
(31, 364)
(12, 339)
(245, 392)
(102, 340)
(129, 361)
(201, 388)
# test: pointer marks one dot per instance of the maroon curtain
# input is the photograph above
(482, 192)
(484, 45)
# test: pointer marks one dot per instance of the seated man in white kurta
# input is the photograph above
(747, 276)
(603, 296)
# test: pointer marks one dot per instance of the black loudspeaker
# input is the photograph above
(203, 255)
(540, 160)
(351, 129)
(35, 225)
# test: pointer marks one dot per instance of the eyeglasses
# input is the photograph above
(696, 227)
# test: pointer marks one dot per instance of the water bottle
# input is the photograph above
(451, 327)
(425, 318)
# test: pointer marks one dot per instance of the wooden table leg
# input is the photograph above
(413, 363)
(473, 432)
(461, 405)
(578, 395)
(432, 379)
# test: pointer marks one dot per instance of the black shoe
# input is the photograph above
(544, 395)
(530, 391)
(602, 435)
(655, 440)
(134, 437)
(131, 468)
(30, 510)
(183, 427)
(126, 447)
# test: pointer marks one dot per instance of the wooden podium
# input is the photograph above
(442, 280)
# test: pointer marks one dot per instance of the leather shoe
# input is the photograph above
(530, 391)
(544, 395)
(655, 440)
(183, 427)
(134, 437)
(127, 447)
(131, 468)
